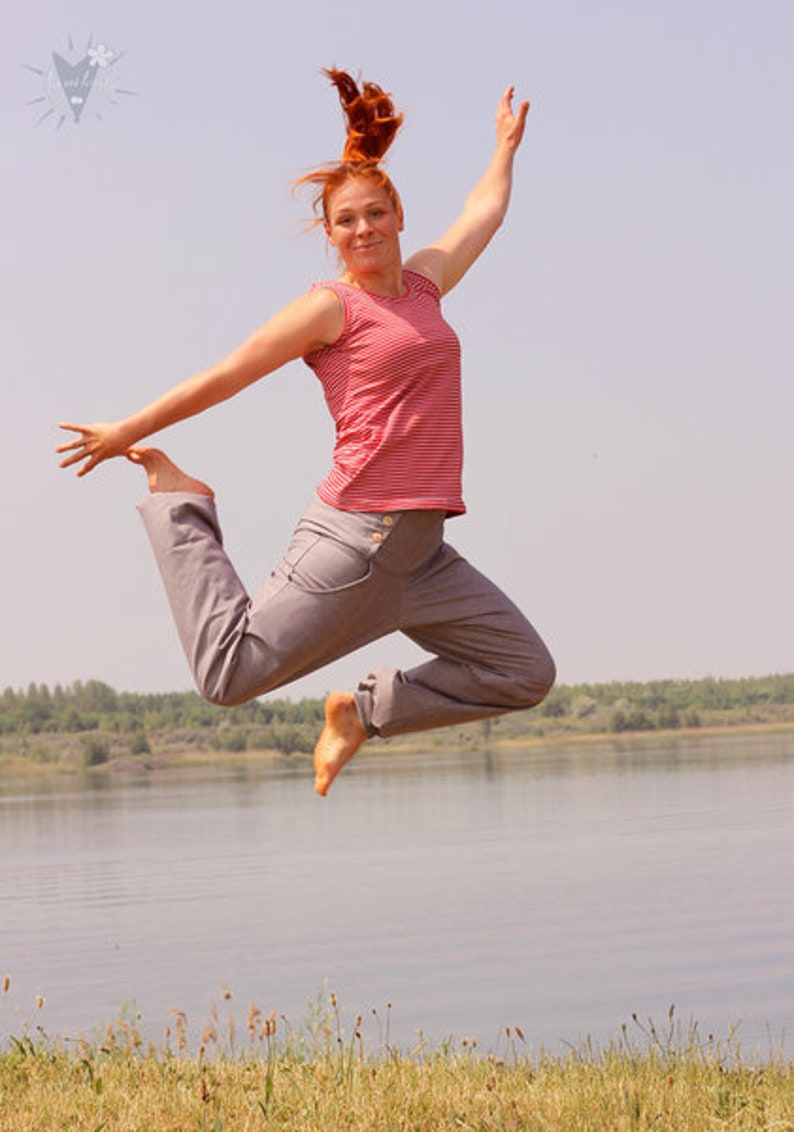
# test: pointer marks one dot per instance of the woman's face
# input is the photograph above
(364, 227)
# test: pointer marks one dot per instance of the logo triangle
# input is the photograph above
(76, 80)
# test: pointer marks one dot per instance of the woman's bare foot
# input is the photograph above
(164, 475)
(341, 737)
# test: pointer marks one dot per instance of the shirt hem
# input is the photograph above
(384, 504)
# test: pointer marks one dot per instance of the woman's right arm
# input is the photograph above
(447, 260)
(313, 320)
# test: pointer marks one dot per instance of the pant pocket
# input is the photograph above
(318, 564)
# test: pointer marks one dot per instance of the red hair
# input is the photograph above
(372, 122)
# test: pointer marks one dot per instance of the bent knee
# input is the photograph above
(533, 681)
(216, 691)
(233, 676)
(222, 698)
(226, 687)
(543, 680)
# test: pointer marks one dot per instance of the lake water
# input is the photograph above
(556, 889)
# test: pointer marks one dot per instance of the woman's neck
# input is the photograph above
(389, 285)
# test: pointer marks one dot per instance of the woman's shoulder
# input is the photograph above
(421, 283)
(334, 285)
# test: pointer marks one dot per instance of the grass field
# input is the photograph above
(649, 1078)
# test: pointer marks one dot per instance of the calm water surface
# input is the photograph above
(558, 890)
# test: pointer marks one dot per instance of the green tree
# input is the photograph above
(96, 751)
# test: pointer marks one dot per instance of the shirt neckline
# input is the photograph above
(407, 282)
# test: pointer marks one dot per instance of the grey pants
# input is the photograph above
(347, 579)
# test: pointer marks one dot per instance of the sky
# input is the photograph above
(628, 353)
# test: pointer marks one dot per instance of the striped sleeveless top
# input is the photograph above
(393, 387)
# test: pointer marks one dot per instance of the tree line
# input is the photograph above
(669, 704)
(107, 721)
(93, 705)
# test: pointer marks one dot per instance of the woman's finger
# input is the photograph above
(69, 460)
(82, 429)
(75, 441)
(79, 443)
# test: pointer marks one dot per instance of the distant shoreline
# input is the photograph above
(92, 728)
(185, 761)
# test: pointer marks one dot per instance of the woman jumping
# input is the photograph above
(368, 557)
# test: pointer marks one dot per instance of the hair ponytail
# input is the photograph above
(372, 120)
(371, 124)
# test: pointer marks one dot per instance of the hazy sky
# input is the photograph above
(627, 337)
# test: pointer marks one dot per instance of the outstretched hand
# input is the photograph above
(95, 443)
(509, 123)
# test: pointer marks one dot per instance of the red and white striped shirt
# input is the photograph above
(392, 384)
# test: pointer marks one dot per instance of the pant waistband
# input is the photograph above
(401, 540)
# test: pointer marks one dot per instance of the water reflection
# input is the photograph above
(558, 888)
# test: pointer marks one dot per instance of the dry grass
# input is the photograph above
(320, 1080)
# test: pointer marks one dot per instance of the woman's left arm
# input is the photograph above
(448, 259)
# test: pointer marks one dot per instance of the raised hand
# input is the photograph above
(510, 124)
